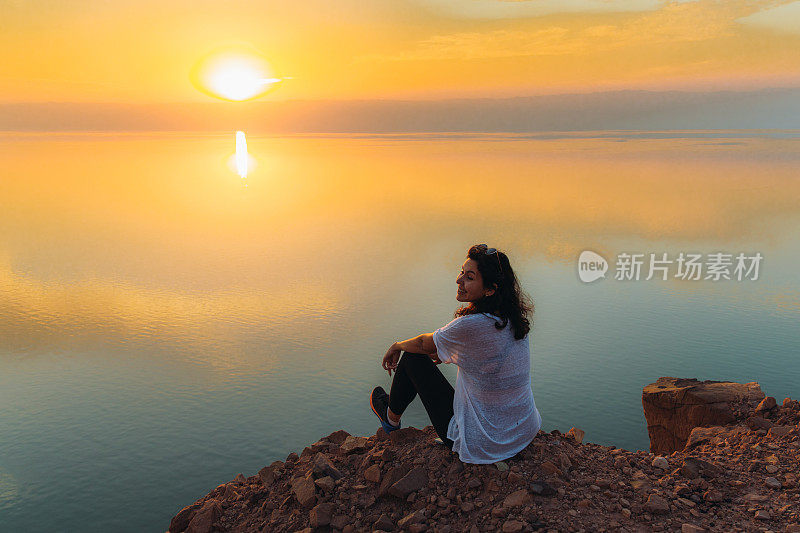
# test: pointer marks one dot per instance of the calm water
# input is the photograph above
(165, 325)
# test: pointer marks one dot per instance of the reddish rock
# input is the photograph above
(203, 520)
(517, 499)
(411, 482)
(320, 515)
(779, 431)
(322, 466)
(767, 404)
(512, 526)
(181, 520)
(303, 489)
(373, 474)
(401, 436)
(392, 476)
(353, 444)
(674, 406)
(656, 504)
(337, 437)
(576, 434)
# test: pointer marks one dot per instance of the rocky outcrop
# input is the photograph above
(673, 407)
(736, 478)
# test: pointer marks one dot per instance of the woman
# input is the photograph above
(491, 415)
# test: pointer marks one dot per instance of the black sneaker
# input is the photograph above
(379, 402)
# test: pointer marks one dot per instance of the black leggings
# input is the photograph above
(417, 373)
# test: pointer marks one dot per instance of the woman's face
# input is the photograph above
(470, 283)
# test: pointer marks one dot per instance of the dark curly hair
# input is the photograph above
(509, 302)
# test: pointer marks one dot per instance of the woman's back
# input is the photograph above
(495, 415)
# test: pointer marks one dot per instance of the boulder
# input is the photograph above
(304, 491)
(675, 406)
(411, 482)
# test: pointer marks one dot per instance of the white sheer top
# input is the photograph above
(495, 416)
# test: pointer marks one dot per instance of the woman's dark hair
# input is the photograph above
(508, 302)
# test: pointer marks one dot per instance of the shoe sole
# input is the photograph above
(383, 424)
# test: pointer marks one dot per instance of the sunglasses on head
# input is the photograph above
(489, 251)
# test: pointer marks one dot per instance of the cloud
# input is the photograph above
(785, 18)
(674, 22)
(498, 9)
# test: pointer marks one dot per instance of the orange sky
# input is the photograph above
(142, 51)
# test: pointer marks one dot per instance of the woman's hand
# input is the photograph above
(391, 358)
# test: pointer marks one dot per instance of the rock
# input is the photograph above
(203, 520)
(793, 528)
(181, 520)
(320, 515)
(779, 431)
(501, 466)
(691, 528)
(576, 434)
(474, 483)
(268, 474)
(542, 488)
(660, 463)
(411, 482)
(292, 458)
(656, 504)
(384, 523)
(325, 483)
(340, 521)
(674, 406)
(757, 422)
(413, 518)
(338, 437)
(712, 496)
(401, 436)
(771, 469)
(322, 466)
(303, 489)
(693, 467)
(762, 514)
(353, 444)
(772, 483)
(767, 404)
(390, 478)
(373, 474)
(549, 468)
(518, 498)
(512, 526)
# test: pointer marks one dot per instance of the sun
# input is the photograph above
(234, 76)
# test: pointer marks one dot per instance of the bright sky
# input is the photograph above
(142, 51)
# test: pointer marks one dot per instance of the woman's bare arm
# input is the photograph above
(419, 344)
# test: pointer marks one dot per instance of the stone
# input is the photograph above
(390, 478)
(203, 520)
(292, 458)
(712, 496)
(320, 515)
(411, 482)
(512, 526)
(181, 520)
(549, 468)
(762, 514)
(474, 483)
(340, 521)
(767, 404)
(694, 467)
(501, 466)
(542, 488)
(518, 498)
(304, 491)
(321, 466)
(353, 444)
(384, 523)
(326, 483)
(373, 474)
(691, 528)
(757, 422)
(779, 431)
(412, 518)
(401, 436)
(771, 469)
(660, 463)
(268, 474)
(772, 483)
(656, 504)
(576, 434)
(337, 437)
(675, 406)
